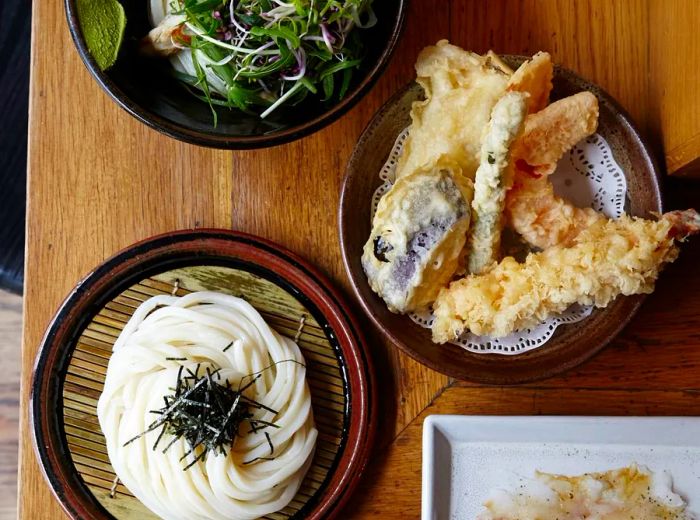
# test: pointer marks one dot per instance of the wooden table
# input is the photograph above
(98, 181)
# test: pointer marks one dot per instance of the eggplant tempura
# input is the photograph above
(418, 233)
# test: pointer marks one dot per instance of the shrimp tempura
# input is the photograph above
(609, 258)
(532, 208)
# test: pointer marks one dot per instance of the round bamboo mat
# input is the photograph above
(283, 311)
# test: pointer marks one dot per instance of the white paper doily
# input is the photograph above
(587, 176)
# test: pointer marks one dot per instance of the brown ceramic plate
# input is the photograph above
(71, 364)
(571, 344)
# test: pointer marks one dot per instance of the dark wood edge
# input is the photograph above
(183, 133)
(122, 270)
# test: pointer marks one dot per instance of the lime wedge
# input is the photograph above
(102, 23)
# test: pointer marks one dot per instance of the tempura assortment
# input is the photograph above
(480, 149)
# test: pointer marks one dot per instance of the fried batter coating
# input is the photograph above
(493, 179)
(534, 77)
(609, 258)
(552, 131)
(461, 88)
(417, 235)
(532, 208)
(541, 217)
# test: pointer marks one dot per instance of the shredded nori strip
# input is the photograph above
(208, 413)
(256, 459)
(269, 441)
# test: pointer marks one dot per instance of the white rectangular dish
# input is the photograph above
(466, 457)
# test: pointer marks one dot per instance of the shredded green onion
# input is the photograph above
(269, 53)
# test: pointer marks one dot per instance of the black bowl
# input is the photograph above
(145, 88)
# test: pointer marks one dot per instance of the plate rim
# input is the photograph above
(433, 422)
(632, 303)
(152, 253)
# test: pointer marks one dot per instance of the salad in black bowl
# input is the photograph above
(236, 73)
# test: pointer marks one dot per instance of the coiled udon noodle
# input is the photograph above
(199, 327)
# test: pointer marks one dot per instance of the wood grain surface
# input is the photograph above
(673, 45)
(99, 181)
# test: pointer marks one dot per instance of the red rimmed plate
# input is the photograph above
(71, 364)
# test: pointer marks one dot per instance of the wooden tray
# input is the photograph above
(99, 181)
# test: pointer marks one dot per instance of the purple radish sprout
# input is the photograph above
(328, 38)
(300, 69)
(232, 14)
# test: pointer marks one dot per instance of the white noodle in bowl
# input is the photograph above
(262, 470)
